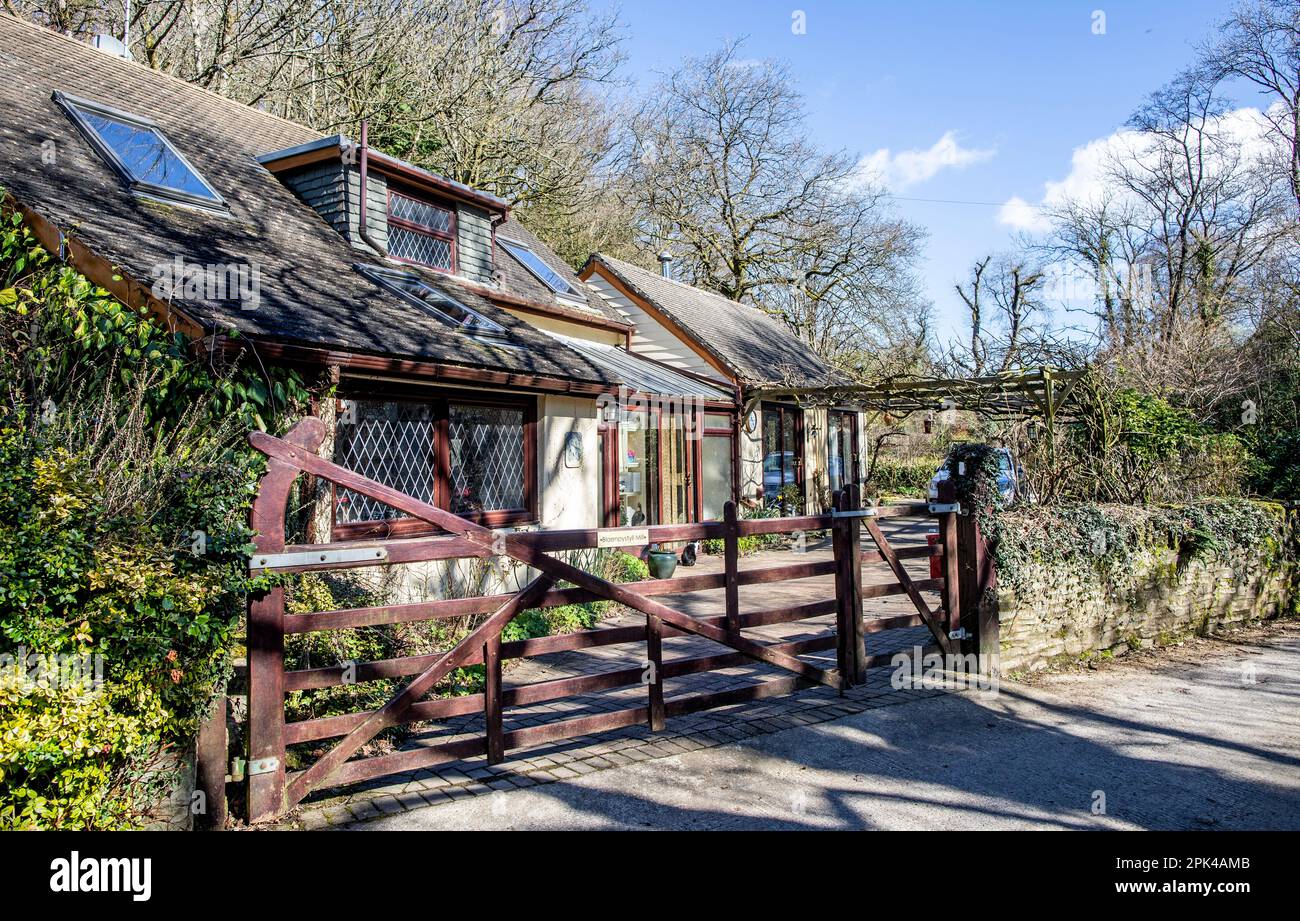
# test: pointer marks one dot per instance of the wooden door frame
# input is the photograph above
(854, 459)
(798, 435)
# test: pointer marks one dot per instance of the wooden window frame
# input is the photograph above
(449, 236)
(707, 431)
(440, 401)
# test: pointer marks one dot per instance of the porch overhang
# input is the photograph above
(642, 376)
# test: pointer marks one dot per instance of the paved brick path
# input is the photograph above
(575, 757)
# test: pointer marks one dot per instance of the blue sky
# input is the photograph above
(1016, 87)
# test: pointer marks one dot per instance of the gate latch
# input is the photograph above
(961, 633)
(263, 766)
(856, 513)
(942, 508)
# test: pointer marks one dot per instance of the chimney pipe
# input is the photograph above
(666, 264)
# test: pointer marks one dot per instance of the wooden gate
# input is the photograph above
(272, 791)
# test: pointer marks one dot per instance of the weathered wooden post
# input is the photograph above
(496, 752)
(210, 758)
(655, 673)
(846, 543)
(973, 613)
(731, 564)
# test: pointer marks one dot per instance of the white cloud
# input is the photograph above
(906, 168)
(1021, 215)
(1089, 182)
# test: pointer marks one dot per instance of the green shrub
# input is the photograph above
(897, 477)
(125, 484)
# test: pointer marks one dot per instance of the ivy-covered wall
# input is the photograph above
(1085, 581)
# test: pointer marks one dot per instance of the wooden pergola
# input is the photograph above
(1016, 394)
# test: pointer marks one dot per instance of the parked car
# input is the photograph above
(1011, 479)
(778, 471)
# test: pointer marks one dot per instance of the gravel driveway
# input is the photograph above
(1201, 736)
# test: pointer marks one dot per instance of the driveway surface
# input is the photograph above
(1202, 736)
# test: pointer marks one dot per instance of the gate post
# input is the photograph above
(266, 636)
(211, 756)
(731, 564)
(846, 542)
(976, 606)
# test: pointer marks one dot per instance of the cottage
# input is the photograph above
(474, 368)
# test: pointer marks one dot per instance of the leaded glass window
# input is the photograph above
(421, 232)
(469, 458)
(391, 442)
(487, 457)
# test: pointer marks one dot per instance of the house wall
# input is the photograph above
(570, 496)
(652, 339)
(335, 194)
(474, 243)
(816, 485)
(321, 186)
(570, 328)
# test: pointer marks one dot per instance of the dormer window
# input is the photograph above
(441, 307)
(421, 232)
(544, 273)
(148, 162)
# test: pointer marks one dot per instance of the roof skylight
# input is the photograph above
(139, 151)
(438, 305)
(531, 261)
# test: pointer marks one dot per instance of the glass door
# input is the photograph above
(783, 456)
(841, 448)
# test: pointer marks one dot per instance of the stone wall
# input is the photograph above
(1055, 614)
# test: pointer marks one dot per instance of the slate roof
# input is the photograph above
(758, 348)
(307, 290)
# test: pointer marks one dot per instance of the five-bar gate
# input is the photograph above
(272, 791)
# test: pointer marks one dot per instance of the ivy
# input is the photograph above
(1102, 543)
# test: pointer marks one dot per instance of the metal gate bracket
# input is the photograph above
(856, 513)
(263, 766)
(317, 557)
(942, 508)
(960, 633)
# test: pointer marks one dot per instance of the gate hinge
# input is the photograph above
(961, 633)
(264, 766)
(942, 508)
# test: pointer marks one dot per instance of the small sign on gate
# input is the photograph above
(622, 537)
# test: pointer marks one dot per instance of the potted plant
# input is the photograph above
(661, 563)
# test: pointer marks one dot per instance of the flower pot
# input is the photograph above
(662, 563)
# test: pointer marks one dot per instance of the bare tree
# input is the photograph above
(1260, 43)
(1002, 299)
(728, 179)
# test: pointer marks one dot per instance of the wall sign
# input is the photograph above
(573, 449)
(622, 537)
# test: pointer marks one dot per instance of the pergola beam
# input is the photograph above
(1034, 392)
